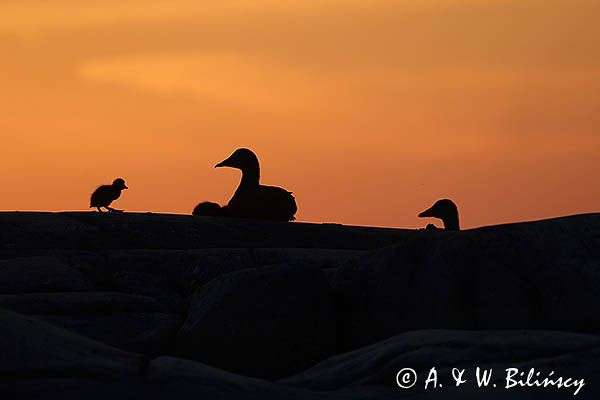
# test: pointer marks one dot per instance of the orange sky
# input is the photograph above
(368, 111)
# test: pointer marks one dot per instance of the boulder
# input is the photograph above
(156, 261)
(31, 348)
(143, 332)
(264, 322)
(40, 274)
(524, 276)
(321, 258)
(200, 266)
(148, 284)
(81, 303)
(95, 231)
(42, 361)
(567, 354)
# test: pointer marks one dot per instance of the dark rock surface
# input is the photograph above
(270, 300)
(378, 364)
(40, 274)
(30, 347)
(91, 231)
(42, 361)
(267, 322)
(79, 303)
(542, 275)
(143, 332)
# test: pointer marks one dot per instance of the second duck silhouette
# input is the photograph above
(106, 194)
(445, 210)
(253, 200)
(209, 209)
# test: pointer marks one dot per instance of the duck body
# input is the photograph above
(106, 194)
(263, 202)
(253, 200)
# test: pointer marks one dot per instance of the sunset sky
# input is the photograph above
(368, 110)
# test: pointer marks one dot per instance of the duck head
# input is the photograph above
(445, 210)
(119, 183)
(244, 160)
(241, 159)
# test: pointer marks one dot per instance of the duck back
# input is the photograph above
(263, 202)
(104, 196)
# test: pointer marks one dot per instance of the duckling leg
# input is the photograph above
(99, 209)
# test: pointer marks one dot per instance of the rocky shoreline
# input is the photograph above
(156, 306)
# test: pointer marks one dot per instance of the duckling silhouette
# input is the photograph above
(106, 194)
(445, 210)
(209, 209)
(253, 200)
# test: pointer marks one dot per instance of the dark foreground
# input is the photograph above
(128, 306)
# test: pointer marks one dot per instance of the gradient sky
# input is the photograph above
(368, 111)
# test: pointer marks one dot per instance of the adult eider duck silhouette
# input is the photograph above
(209, 209)
(106, 194)
(253, 200)
(445, 210)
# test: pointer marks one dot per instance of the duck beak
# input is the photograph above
(125, 187)
(224, 163)
(427, 213)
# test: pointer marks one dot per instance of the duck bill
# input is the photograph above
(125, 187)
(224, 163)
(427, 213)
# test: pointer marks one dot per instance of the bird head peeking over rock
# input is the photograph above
(253, 200)
(106, 194)
(445, 210)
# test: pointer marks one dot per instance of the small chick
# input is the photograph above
(209, 209)
(106, 194)
(445, 210)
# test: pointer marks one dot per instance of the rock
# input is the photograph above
(321, 258)
(143, 332)
(154, 261)
(32, 348)
(22, 231)
(89, 263)
(264, 322)
(42, 361)
(272, 321)
(86, 303)
(139, 282)
(186, 379)
(567, 354)
(40, 274)
(25, 231)
(152, 285)
(508, 277)
(199, 267)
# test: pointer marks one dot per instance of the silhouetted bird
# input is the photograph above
(253, 200)
(106, 194)
(209, 209)
(445, 210)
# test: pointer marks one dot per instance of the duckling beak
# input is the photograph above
(125, 187)
(427, 213)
